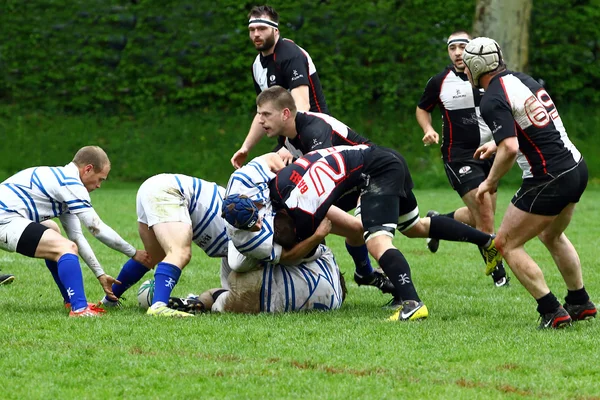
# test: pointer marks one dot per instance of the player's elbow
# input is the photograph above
(510, 146)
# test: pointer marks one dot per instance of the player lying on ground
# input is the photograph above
(28, 201)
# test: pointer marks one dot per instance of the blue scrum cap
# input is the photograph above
(240, 211)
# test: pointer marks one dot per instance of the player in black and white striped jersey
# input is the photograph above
(463, 132)
(528, 129)
(280, 62)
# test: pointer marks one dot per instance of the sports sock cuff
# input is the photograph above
(168, 270)
(216, 294)
(577, 297)
(547, 303)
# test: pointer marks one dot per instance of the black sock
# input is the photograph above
(577, 297)
(451, 230)
(397, 269)
(547, 304)
(449, 215)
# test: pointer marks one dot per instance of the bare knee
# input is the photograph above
(549, 239)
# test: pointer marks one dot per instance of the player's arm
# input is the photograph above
(300, 95)
(498, 116)
(104, 233)
(252, 138)
(427, 103)
(301, 250)
(274, 161)
(239, 262)
(72, 227)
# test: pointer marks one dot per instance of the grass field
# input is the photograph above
(479, 342)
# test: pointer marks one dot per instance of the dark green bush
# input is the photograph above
(130, 56)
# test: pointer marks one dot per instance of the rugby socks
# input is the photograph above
(547, 304)
(53, 267)
(360, 255)
(397, 269)
(577, 297)
(70, 275)
(165, 279)
(451, 230)
(131, 273)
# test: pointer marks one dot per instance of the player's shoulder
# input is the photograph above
(437, 79)
(286, 49)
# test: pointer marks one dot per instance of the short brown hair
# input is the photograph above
(460, 32)
(91, 155)
(277, 95)
(259, 11)
(284, 230)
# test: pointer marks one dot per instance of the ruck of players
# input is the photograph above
(266, 230)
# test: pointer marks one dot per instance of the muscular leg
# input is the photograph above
(564, 254)
(175, 238)
(517, 228)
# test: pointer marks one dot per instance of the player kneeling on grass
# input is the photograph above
(251, 286)
(30, 198)
(173, 211)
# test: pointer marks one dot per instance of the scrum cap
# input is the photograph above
(482, 55)
(240, 211)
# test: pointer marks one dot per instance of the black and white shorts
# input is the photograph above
(20, 235)
(467, 175)
(549, 195)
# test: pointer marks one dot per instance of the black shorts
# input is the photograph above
(387, 200)
(549, 195)
(29, 240)
(467, 175)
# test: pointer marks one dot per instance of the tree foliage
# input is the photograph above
(128, 56)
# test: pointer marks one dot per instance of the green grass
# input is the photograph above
(479, 342)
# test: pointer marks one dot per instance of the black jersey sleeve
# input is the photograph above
(497, 114)
(431, 96)
(295, 71)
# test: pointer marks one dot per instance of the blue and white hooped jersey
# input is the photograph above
(204, 201)
(253, 180)
(41, 193)
(311, 285)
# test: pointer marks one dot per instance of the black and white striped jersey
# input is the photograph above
(289, 66)
(319, 131)
(515, 104)
(463, 128)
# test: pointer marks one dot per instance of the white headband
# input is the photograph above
(458, 40)
(263, 22)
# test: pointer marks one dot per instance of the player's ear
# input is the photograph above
(88, 168)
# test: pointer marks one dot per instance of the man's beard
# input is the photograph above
(267, 44)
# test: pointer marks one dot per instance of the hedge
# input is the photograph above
(114, 57)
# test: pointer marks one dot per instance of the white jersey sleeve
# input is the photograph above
(72, 227)
(105, 233)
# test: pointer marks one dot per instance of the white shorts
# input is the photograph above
(160, 200)
(313, 285)
(11, 231)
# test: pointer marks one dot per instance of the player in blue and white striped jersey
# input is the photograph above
(252, 180)
(31, 198)
(173, 211)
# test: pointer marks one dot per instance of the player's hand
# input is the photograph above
(239, 158)
(431, 137)
(106, 281)
(324, 228)
(486, 150)
(143, 257)
(285, 155)
(486, 187)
